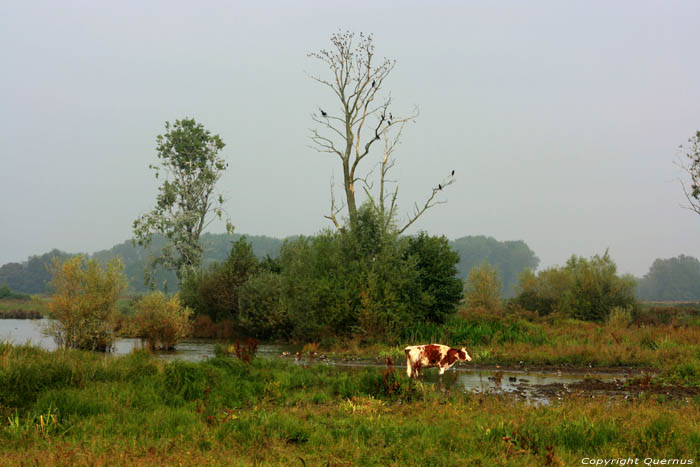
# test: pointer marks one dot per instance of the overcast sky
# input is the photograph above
(562, 120)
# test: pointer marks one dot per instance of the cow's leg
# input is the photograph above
(409, 368)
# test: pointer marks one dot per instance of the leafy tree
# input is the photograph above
(362, 123)
(690, 162)
(671, 279)
(215, 291)
(508, 257)
(583, 289)
(439, 287)
(84, 302)
(186, 203)
(483, 288)
(261, 312)
(366, 282)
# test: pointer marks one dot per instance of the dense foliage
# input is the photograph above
(161, 322)
(583, 289)
(483, 288)
(509, 258)
(367, 283)
(186, 203)
(85, 302)
(671, 279)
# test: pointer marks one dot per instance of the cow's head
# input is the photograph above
(463, 355)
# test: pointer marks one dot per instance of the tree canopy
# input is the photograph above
(186, 203)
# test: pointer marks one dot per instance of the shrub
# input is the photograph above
(85, 302)
(440, 288)
(261, 312)
(215, 291)
(162, 322)
(483, 288)
(366, 281)
(582, 289)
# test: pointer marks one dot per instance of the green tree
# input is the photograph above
(483, 288)
(690, 162)
(671, 279)
(215, 291)
(186, 203)
(84, 302)
(439, 288)
(508, 257)
(585, 289)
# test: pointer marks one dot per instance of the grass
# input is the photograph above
(80, 408)
(657, 338)
(16, 308)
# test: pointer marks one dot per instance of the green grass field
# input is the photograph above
(78, 408)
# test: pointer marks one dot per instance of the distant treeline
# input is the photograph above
(32, 276)
(668, 279)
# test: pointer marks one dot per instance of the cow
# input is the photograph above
(423, 356)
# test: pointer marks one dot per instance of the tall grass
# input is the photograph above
(78, 408)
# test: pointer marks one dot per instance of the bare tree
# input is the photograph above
(361, 121)
(690, 163)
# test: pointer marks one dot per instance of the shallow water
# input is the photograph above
(463, 376)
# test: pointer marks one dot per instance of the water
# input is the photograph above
(463, 376)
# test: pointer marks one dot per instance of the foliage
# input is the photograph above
(439, 288)
(32, 276)
(509, 258)
(365, 282)
(160, 321)
(84, 302)
(215, 292)
(261, 311)
(671, 279)
(7, 292)
(582, 289)
(483, 288)
(188, 155)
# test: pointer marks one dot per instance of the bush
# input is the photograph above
(85, 302)
(161, 322)
(261, 312)
(6, 292)
(440, 288)
(582, 289)
(366, 282)
(483, 288)
(215, 291)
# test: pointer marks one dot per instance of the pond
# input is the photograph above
(535, 386)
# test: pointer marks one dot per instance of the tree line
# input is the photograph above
(32, 276)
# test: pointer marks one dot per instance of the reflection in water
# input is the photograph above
(21, 331)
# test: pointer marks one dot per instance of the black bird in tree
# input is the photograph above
(453, 173)
(324, 113)
(439, 187)
(391, 117)
(374, 82)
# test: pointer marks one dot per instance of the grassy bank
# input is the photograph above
(77, 408)
(24, 308)
(664, 339)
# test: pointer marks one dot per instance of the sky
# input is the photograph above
(562, 120)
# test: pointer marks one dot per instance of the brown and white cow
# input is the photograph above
(441, 356)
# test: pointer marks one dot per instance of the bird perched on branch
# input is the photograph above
(374, 82)
(439, 187)
(324, 113)
(453, 173)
